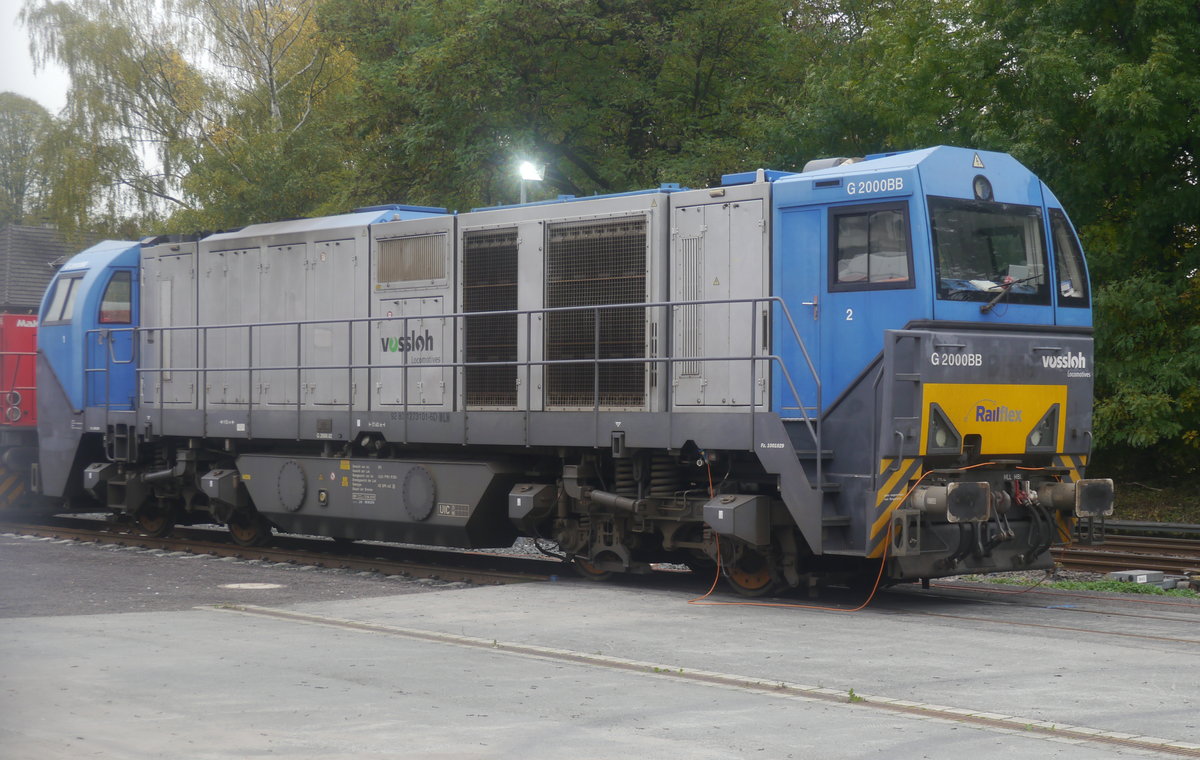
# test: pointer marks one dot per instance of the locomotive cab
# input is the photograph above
(87, 365)
(945, 299)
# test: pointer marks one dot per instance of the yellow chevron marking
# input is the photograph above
(1065, 522)
(908, 471)
(16, 495)
(13, 496)
(884, 464)
(890, 484)
(1073, 466)
(9, 482)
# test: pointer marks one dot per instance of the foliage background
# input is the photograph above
(208, 114)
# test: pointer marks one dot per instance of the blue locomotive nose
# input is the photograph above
(86, 326)
(87, 361)
(943, 235)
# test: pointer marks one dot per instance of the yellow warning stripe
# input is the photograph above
(890, 484)
(11, 490)
(887, 500)
(1072, 464)
(16, 495)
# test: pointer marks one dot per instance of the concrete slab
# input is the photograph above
(542, 670)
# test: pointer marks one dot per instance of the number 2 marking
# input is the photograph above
(849, 315)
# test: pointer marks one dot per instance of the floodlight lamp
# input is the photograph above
(532, 172)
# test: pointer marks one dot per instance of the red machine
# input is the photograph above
(18, 405)
(18, 360)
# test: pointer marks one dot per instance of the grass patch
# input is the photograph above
(1112, 587)
(1176, 501)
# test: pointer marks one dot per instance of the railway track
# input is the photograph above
(1178, 556)
(470, 567)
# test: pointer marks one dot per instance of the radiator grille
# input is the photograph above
(691, 318)
(490, 284)
(594, 263)
(411, 258)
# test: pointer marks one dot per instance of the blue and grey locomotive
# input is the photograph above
(886, 359)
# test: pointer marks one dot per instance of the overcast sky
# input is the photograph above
(48, 86)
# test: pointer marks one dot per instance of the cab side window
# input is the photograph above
(1068, 262)
(116, 308)
(870, 247)
(62, 302)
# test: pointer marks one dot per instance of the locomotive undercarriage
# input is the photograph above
(607, 514)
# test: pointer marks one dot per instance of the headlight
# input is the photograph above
(1044, 435)
(943, 437)
(982, 188)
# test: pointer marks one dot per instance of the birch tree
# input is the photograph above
(166, 92)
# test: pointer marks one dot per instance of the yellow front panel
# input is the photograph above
(1002, 415)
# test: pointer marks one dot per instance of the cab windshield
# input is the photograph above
(982, 248)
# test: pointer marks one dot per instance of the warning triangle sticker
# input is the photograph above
(716, 282)
(978, 162)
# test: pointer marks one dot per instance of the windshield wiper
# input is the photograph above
(985, 308)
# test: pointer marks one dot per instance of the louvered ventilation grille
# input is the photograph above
(691, 318)
(490, 284)
(590, 264)
(411, 258)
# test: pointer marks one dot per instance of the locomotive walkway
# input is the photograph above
(128, 653)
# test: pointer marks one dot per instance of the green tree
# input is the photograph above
(202, 108)
(611, 95)
(23, 127)
(1100, 99)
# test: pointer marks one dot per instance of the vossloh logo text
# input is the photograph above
(1070, 361)
(414, 341)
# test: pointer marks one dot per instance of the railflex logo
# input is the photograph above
(987, 410)
(1070, 361)
(410, 342)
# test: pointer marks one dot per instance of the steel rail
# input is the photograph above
(468, 567)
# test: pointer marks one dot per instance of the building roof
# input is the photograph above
(27, 255)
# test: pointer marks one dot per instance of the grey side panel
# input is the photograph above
(168, 298)
(228, 295)
(720, 251)
(410, 347)
(336, 273)
(284, 268)
(60, 433)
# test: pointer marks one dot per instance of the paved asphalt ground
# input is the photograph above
(116, 653)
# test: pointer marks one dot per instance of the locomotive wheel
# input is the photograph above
(590, 571)
(751, 575)
(248, 528)
(156, 521)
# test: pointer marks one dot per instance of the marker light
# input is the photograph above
(982, 188)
